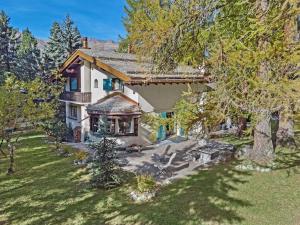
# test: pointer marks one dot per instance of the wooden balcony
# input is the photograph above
(76, 97)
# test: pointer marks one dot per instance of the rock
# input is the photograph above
(250, 167)
(202, 142)
(122, 162)
(244, 151)
(142, 197)
(211, 152)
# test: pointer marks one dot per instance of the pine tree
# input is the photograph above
(104, 172)
(71, 36)
(54, 54)
(9, 40)
(29, 57)
(63, 41)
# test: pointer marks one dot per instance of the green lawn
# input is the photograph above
(47, 189)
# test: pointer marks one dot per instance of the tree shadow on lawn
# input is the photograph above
(289, 160)
(55, 193)
(200, 198)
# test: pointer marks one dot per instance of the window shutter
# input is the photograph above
(161, 133)
(107, 84)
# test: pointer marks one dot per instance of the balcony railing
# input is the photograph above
(85, 97)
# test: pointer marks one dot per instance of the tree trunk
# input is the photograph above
(11, 149)
(1, 150)
(242, 126)
(285, 133)
(263, 150)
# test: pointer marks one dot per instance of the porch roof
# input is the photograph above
(115, 104)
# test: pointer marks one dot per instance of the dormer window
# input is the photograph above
(96, 83)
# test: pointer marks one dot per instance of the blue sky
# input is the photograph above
(101, 19)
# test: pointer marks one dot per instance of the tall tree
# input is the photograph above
(130, 9)
(9, 39)
(243, 46)
(63, 41)
(54, 53)
(29, 64)
(71, 36)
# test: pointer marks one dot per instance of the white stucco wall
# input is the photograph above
(85, 77)
(99, 93)
(131, 94)
(85, 123)
(70, 121)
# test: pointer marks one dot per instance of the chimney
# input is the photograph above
(85, 43)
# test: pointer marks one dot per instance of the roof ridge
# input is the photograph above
(116, 93)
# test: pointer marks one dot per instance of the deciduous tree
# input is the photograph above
(23, 104)
(244, 49)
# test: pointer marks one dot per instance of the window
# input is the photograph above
(113, 84)
(94, 123)
(73, 84)
(73, 111)
(110, 126)
(126, 125)
(95, 83)
(117, 84)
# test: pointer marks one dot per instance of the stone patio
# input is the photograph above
(171, 159)
(174, 159)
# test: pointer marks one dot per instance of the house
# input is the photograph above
(122, 88)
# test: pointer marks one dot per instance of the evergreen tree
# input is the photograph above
(63, 41)
(28, 57)
(54, 54)
(104, 169)
(71, 38)
(9, 39)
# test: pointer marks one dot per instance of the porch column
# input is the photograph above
(132, 126)
(117, 126)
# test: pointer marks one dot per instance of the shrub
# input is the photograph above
(145, 183)
(57, 131)
(81, 155)
(65, 152)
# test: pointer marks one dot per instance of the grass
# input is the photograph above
(48, 189)
(234, 140)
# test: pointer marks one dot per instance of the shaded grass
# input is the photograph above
(234, 140)
(48, 189)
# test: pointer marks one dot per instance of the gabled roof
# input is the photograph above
(133, 71)
(115, 104)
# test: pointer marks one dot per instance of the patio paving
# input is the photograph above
(156, 161)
